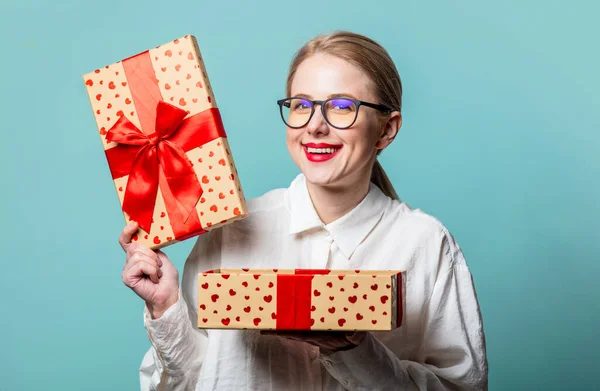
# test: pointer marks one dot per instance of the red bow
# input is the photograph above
(154, 152)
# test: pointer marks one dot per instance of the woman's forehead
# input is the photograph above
(322, 75)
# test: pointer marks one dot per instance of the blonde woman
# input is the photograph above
(342, 108)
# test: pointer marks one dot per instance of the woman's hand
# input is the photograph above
(328, 342)
(151, 275)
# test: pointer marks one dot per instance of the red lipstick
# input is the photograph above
(321, 152)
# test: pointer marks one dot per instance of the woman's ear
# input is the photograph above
(390, 130)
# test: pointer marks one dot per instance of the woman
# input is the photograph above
(340, 213)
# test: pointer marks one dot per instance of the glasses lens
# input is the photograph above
(340, 112)
(296, 112)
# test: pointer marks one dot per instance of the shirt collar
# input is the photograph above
(349, 230)
(303, 214)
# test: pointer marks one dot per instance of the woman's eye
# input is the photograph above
(301, 105)
(342, 104)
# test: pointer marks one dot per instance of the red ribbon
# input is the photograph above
(294, 292)
(155, 156)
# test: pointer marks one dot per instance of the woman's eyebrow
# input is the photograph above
(342, 95)
(336, 95)
(306, 96)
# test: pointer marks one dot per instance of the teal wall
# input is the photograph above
(501, 142)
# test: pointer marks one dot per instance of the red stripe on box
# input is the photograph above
(312, 271)
(293, 301)
(400, 294)
(144, 89)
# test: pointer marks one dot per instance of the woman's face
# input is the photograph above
(323, 76)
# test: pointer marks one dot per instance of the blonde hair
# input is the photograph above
(375, 62)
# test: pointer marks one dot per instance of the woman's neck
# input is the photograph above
(332, 202)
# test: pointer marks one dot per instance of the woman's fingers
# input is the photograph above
(136, 248)
(142, 257)
(139, 270)
(126, 234)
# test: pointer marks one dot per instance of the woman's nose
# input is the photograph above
(317, 124)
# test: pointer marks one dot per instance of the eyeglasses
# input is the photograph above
(341, 113)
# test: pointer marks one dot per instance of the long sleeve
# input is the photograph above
(453, 353)
(178, 347)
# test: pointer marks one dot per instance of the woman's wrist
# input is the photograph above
(157, 310)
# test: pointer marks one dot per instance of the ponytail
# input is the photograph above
(381, 180)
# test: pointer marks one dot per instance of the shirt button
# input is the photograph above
(314, 354)
(328, 363)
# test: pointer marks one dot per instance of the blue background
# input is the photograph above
(500, 142)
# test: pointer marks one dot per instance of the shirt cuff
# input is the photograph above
(172, 337)
(368, 366)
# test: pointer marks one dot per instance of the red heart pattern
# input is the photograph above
(355, 314)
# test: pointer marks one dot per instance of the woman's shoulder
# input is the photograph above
(403, 214)
(422, 228)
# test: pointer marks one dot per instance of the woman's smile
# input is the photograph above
(320, 152)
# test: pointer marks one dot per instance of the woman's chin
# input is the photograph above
(320, 177)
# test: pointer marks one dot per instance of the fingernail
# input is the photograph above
(160, 273)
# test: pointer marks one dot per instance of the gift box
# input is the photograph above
(275, 299)
(165, 143)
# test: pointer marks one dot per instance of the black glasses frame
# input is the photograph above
(281, 102)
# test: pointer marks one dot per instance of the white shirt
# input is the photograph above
(441, 346)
